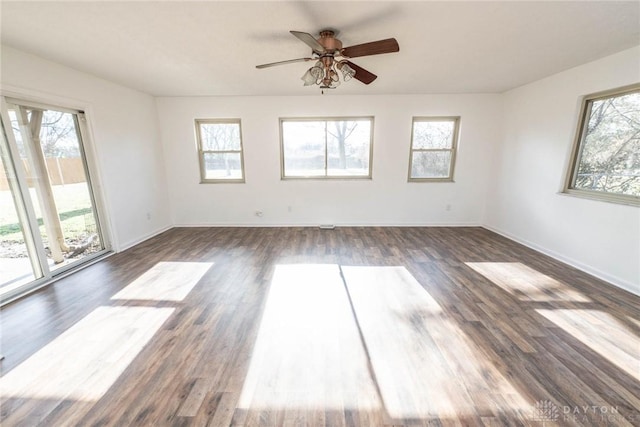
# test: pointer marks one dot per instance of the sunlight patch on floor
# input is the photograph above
(424, 364)
(83, 362)
(526, 283)
(165, 281)
(602, 333)
(308, 354)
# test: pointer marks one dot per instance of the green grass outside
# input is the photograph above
(9, 229)
(72, 201)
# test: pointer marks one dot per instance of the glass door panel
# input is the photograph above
(46, 143)
(50, 146)
(18, 259)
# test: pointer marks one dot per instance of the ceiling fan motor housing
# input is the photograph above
(330, 43)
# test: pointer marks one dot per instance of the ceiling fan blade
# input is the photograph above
(290, 61)
(371, 48)
(363, 75)
(309, 40)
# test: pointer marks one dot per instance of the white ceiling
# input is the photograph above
(178, 48)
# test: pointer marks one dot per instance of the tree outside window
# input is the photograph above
(220, 150)
(326, 148)
(606, 161)
(433, 148)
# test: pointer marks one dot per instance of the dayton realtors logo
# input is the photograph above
(545, 411)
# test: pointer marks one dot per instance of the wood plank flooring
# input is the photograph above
(305, 327)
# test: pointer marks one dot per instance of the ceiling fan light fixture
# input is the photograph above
(313, 74)
(347, 72)
(317, 70)
(332, 59)
(308, 78)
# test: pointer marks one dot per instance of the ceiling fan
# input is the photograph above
(331, 58)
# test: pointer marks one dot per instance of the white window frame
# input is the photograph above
(325, 176)
(453, 150)
(576, 151)
(202, 152)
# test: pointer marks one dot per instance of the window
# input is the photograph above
(433, 148)
(606, 154)
(326, 148)
(220, 150)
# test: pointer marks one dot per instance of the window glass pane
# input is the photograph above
(430, 164)
(303, 145)
(319, 148)
(433, 134)
(16, 245)
(222, 166)
(51, 224)
(221, 150)
(220, 136)
(348, 148)
(59, 186)
(610, 156)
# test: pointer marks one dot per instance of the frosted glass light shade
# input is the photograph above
(347, 72)
(308, 78)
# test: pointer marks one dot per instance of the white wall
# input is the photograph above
(524, 203)
(124, 127)
(387, 199)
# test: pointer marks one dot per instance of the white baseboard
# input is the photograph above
(614, 280)
(256, 225)
(141, 239)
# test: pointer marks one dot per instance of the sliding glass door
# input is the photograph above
(49, 221)
(17, 248)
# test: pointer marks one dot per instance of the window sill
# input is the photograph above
(617, 199)
(222, 181)
(430, 180)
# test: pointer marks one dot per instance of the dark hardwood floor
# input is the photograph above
(300, 326)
